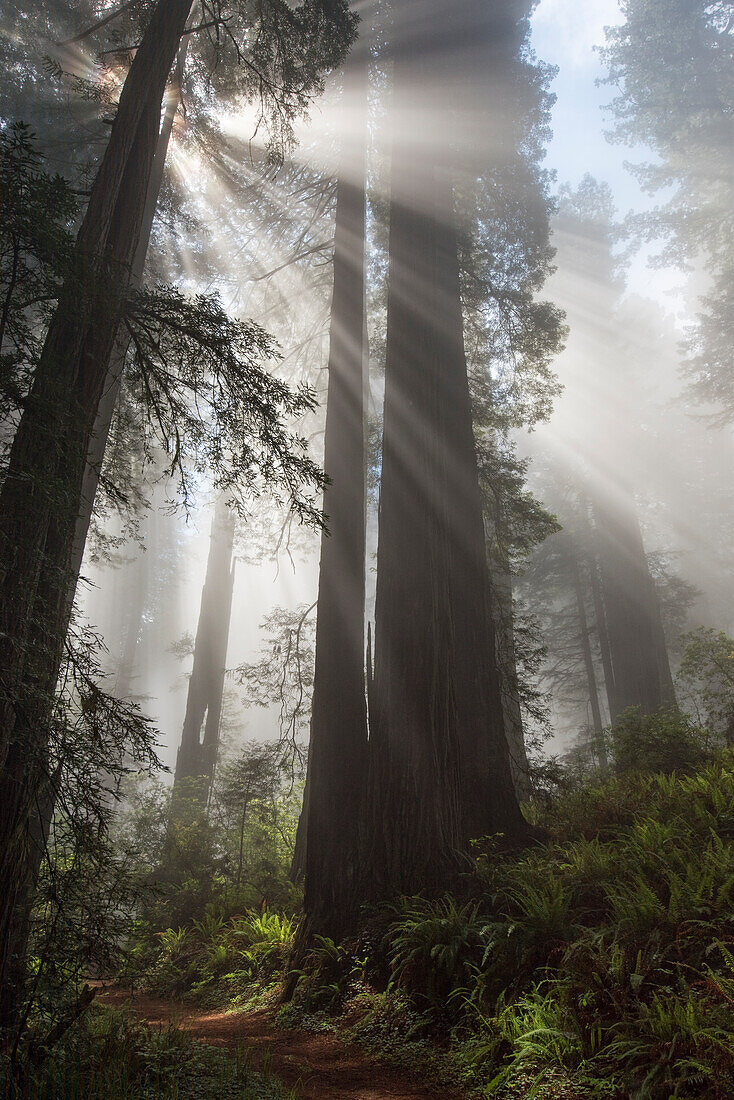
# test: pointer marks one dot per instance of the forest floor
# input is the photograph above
(316, 1065)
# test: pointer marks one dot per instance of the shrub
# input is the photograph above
(213, 958)
(665, 741)
(433, 947)
(600, 963)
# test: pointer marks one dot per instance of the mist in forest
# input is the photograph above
(621, 409)
(366, 588)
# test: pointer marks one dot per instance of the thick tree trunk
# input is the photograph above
(197, 754)
(42, 493)
(338, 747)
(108, 401)
(440, 773)
(640, 669)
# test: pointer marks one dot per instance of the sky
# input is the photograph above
(565, 34)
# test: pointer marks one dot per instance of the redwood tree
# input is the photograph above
(41, 493)
(197, 754)
(116, 366)
(639, 669)
(440, 773)
(338, 746)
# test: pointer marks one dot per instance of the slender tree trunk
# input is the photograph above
(503, 620)
(600, 622)
(639, 660)
(338, 747)
(243, 819)
(197, 754)
(42, 493)
(136, 586)
(440, 773)
(596, 721)
(298, 862)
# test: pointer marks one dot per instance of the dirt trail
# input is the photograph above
(319, 1066)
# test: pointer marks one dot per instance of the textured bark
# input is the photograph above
(440, 773)
(639, 667)
(108, 401)
(42, 493)
(197, 754)
(338, 747)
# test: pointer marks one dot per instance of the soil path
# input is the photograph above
(318, 1066)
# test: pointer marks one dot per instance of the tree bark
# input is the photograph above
(108, 401)
(338, 746)
(440, 773)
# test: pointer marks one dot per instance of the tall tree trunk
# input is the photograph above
(600, 622)
(338, 747)
(298, 861)
(503, 621)
(596, 721)
(440, 773)
(133, 619)
(640, 668)
(41, 496)
(108, 401)
(136, 585)
(197, 754)
(504, 627)
(243, 820)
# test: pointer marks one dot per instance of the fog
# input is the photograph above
(622, 421)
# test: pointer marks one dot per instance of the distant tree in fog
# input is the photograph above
(671, 63)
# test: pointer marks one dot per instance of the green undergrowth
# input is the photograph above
(214, 961)
(110, 1056)
(598, 964)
